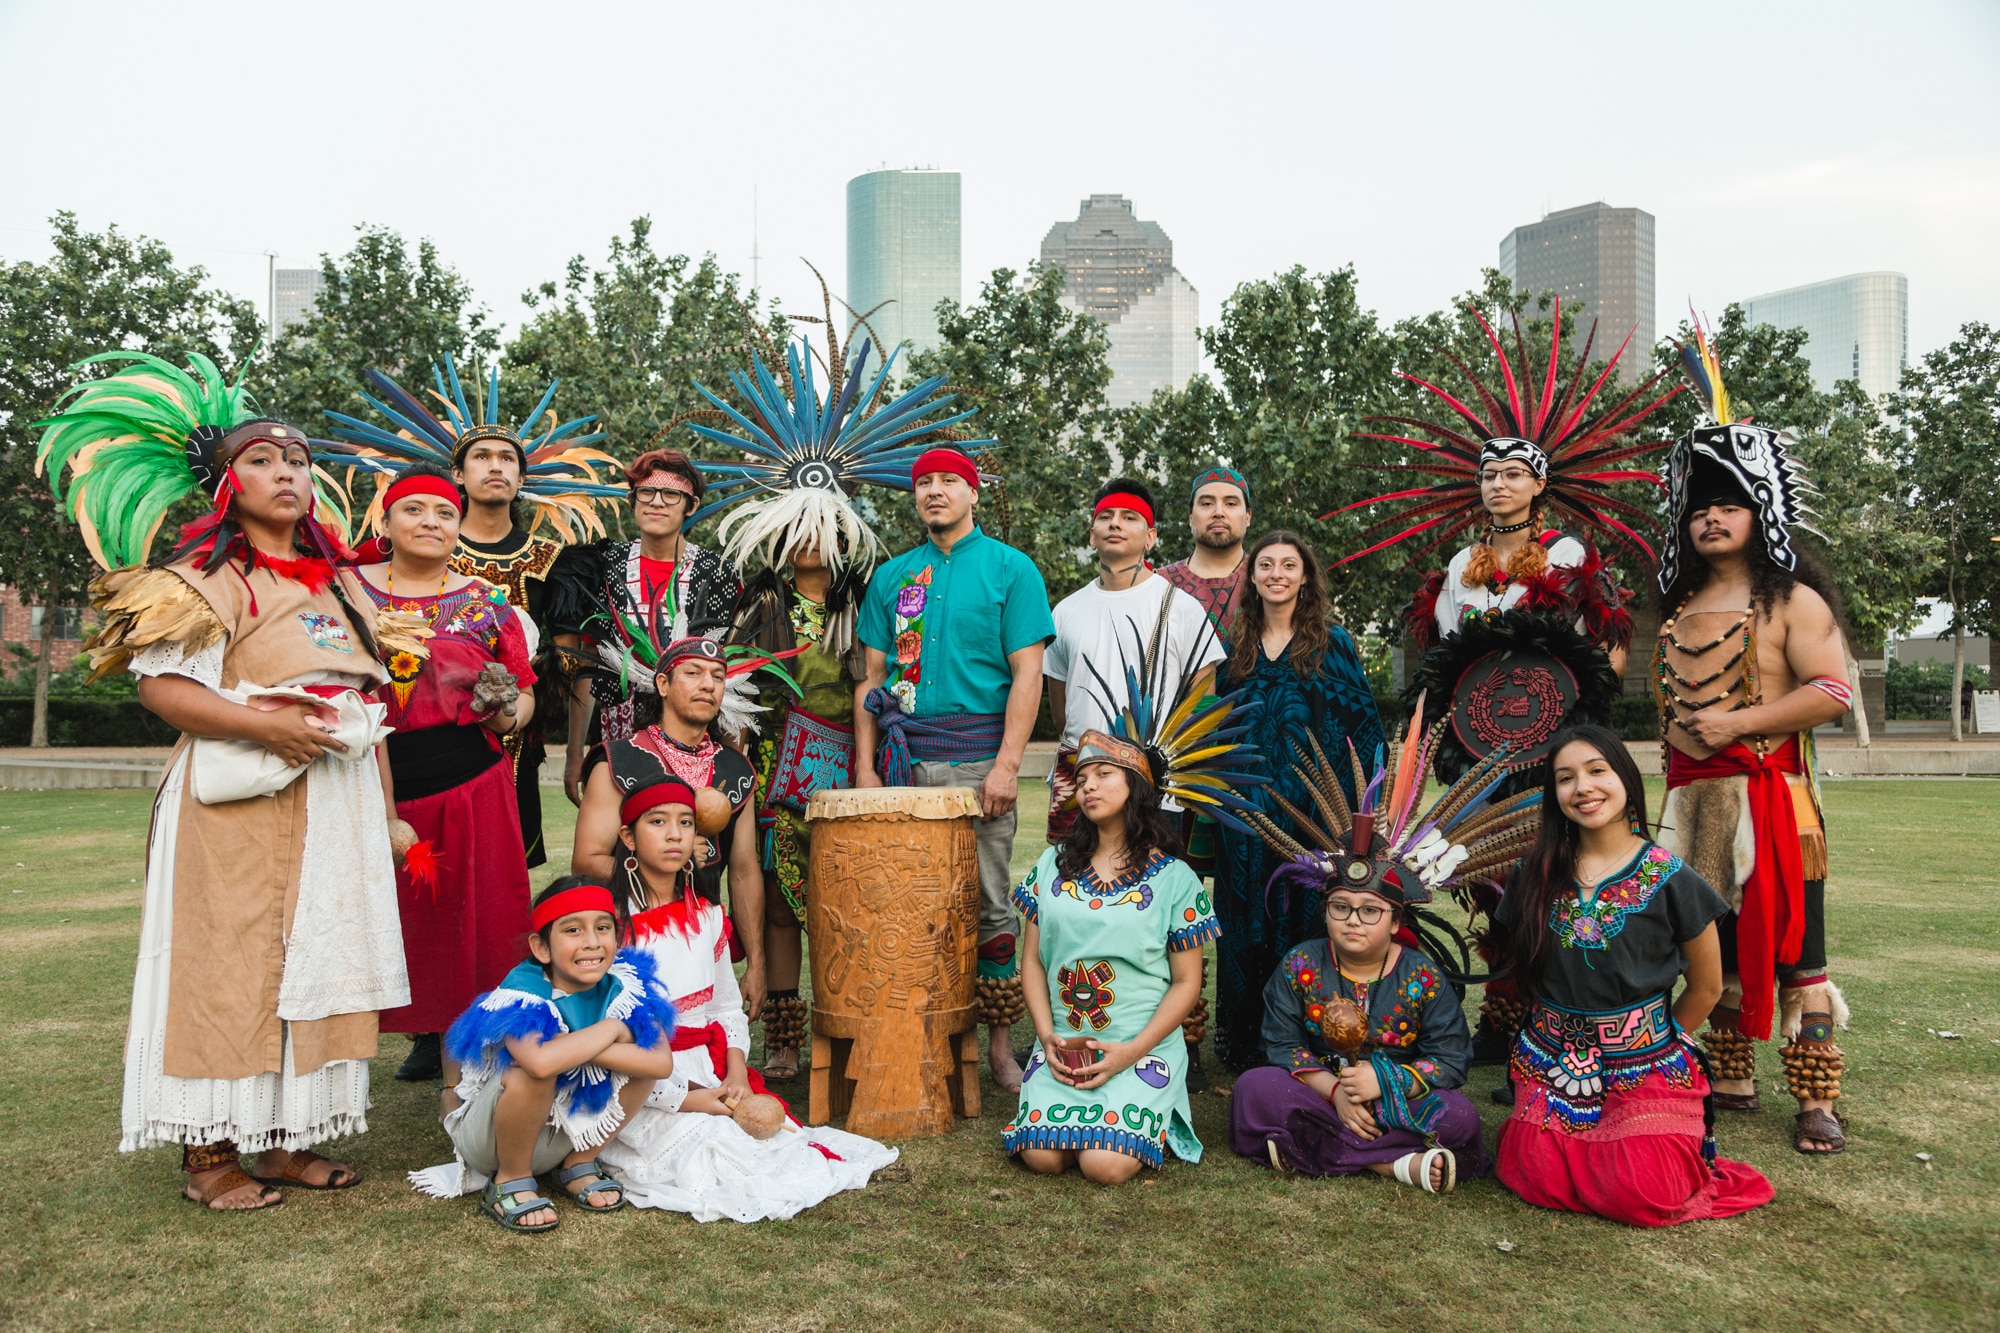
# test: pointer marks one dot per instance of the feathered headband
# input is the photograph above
(147, 436)
(800, 454)
(1722, 458)
(558, 468)
(1580, 452)
(1381, 844)
(641, 649)
(1191, 746)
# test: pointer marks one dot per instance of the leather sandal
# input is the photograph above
(296, 1163)
(1819, 1126)
(1736, 1101)
(781, 1064)
(233, 1179)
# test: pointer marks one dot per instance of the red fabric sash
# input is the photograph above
(1771, 924)
(711, 1037)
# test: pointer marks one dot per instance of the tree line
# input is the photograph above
(1906, 485)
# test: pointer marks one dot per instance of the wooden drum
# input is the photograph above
(893, 921)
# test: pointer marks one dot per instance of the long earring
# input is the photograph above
(631, 865)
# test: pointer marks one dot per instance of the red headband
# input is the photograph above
(582, 898)
(422, 485)
(1125, 500)
(945, 460)
(671, 791)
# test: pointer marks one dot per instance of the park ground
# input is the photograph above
(1901, 1232)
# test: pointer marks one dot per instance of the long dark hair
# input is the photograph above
(1549, 868)
(1148, 829)
(1309, 616)
(1770, 582)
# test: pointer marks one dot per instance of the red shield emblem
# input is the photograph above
(1515, 699)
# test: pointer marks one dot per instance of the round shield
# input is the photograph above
(1513, 698)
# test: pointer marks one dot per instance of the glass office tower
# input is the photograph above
(1857, 327)
(902, 247)
(1120, 271)
(1599, 256)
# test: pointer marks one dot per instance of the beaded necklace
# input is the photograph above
(1669, 682)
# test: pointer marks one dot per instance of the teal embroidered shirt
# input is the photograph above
(947, 622)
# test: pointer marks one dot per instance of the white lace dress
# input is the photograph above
(701, 1164)
(275, 1110)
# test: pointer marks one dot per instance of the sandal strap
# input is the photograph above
(524, 1193)
(582, 1169)
(235, 1178)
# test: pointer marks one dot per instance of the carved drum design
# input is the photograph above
(893, 923)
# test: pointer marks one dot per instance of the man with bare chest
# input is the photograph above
(1748, 662)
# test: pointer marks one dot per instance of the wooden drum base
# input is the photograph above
(902, 1098)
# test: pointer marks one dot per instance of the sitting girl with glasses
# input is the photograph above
(1324, 1108)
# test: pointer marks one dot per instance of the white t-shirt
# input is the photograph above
(1455, 599)
(1093, 625)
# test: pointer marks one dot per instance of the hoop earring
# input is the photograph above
(631, 865)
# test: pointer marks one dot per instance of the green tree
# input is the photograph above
(1950, 406)
(384, 309)
(100, 291)
(630, 341)
(1037, 372)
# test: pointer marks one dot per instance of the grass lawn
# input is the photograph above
(956, 1237)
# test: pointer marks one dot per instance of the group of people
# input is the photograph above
(355, 808)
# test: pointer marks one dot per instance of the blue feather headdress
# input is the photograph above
(559, 469)
(798, 455)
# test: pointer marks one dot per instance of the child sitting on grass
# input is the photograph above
(552, 1062)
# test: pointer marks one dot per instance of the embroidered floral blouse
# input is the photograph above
(1619, 940)
(1413, 1015)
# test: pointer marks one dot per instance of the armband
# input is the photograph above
(1837, 690)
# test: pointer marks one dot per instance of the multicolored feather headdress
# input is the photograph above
(1192, 746)
(1735, 461)
(637, 646)
(559, 469)
(151, 434)
(1581, 452)
(1472, 834)
(801, 454)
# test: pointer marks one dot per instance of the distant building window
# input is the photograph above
(69, 623)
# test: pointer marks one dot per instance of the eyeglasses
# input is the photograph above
(656, 495)
(1366, 913)
(1513, 476)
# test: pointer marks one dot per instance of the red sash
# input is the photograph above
(711, 1037)
(1771, 924)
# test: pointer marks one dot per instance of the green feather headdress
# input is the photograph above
(140, 440)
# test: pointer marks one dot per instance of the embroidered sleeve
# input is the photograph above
(511, 649)
(1442, 1054)
(1192, 923)
(1289, 1012)
(149, 608)
(1027, 894)
(669, 1093)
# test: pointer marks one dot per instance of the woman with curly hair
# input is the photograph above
(1301, 676)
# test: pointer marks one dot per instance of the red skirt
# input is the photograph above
(461, 938)
(1641, 1165)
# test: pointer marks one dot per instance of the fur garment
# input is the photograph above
(1707, 824)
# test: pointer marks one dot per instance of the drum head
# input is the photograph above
(1514, 698)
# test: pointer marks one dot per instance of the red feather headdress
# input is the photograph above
(1586, 451)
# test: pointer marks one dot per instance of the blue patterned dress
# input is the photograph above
(1336, 704)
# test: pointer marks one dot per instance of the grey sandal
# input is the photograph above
(506, 1201)
(605, 1185)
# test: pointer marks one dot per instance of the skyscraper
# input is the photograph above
(1600, 256)
(293, 291)
(902, 247)
(1858, 327)
(1120, 270)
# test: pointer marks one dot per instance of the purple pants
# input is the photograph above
(1270, 1106)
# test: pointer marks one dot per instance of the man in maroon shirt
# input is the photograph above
(1219, 514)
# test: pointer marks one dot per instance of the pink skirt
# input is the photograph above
(1641, 1164)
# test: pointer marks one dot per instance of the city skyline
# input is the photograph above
(1601, 259)
(1857, 326)
(1119, 270)
(902, 253)
(1818, 181)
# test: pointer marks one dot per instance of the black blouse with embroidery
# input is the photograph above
(1413, 1014)
(1622, 946)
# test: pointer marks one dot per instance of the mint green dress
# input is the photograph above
(1105, 949)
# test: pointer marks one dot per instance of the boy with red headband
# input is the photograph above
(954, 632)
(555, 1059)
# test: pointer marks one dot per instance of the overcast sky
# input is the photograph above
(1776, 144)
